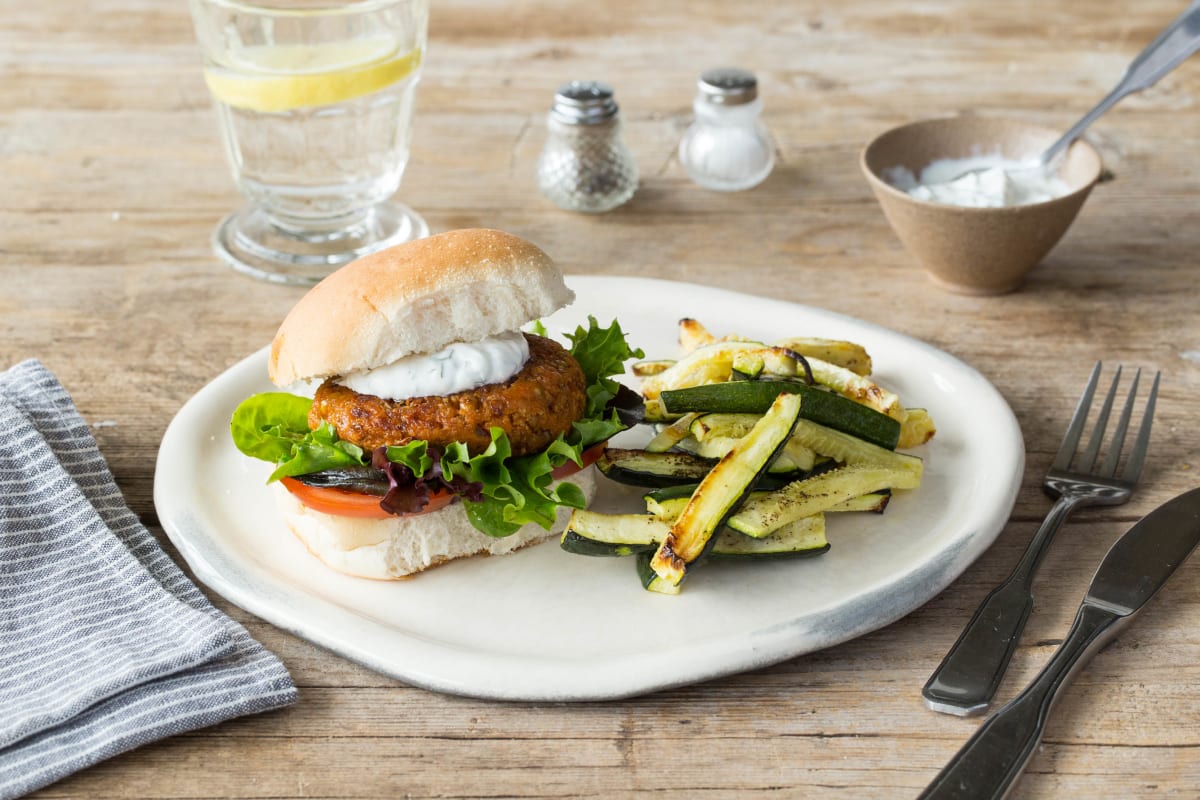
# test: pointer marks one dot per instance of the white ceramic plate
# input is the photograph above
(541, 624)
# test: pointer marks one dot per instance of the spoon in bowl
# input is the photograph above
(1169, 49)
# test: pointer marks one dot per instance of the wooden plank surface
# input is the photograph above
(113, 179)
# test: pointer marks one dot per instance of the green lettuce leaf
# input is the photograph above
(267, 425)
(602, 352)
(273, 426)
(414, 455)
(516, 491)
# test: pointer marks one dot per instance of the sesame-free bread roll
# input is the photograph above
(460, 286)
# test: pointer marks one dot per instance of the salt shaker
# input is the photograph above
(585, 165)
(727, 147)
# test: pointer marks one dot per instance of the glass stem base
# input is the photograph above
(253, 243)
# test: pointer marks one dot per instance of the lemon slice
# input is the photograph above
(277, 78)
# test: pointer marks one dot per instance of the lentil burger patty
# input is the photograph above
(533, 407)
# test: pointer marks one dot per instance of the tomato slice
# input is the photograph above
(345, 503)
(588, 457)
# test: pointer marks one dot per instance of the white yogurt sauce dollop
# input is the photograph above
(456, 368)
(996, 182)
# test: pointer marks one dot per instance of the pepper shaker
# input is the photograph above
(585, 165)
(727, 147)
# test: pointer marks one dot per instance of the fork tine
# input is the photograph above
(1133, 467)
(1109, 469)
(1093, 449)
(1067, 449)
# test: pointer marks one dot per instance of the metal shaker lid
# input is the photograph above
(584, 103)
(728, 86)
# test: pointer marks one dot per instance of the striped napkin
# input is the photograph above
(104, 643)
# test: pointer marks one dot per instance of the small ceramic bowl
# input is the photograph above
(976, 250)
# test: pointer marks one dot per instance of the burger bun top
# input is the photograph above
(418, 297)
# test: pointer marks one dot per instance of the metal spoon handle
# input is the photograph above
(1177, 41)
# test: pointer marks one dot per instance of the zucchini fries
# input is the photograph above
(755, 443)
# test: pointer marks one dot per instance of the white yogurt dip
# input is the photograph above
(456, 368)
(996, 182)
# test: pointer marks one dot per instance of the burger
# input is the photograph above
(438, 427)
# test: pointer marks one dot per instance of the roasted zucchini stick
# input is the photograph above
(591, 533)
(712, 363)
(847, 449)
(794, 457)
(759, 516)
(916, 429)
(671, 435)
(693, 334)
(857, 388)
(873, 503)
(754, 397)
(640, 468)
(845, 354)
(643, 369)
(735, 425)
(803, 538)
(655, 412)
(723, 490)
(668, 509)
(747, 365)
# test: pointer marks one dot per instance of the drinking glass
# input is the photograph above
(315, 105)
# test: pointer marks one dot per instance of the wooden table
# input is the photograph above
(113, 181)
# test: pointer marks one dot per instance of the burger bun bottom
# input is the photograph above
(388, 549)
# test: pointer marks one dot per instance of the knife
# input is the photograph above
(1135, 568)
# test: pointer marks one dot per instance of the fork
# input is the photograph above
(966, 680)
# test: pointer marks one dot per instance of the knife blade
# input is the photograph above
(1143, 559)
(1132, 572)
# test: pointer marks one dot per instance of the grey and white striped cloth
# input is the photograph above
(105, 644)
